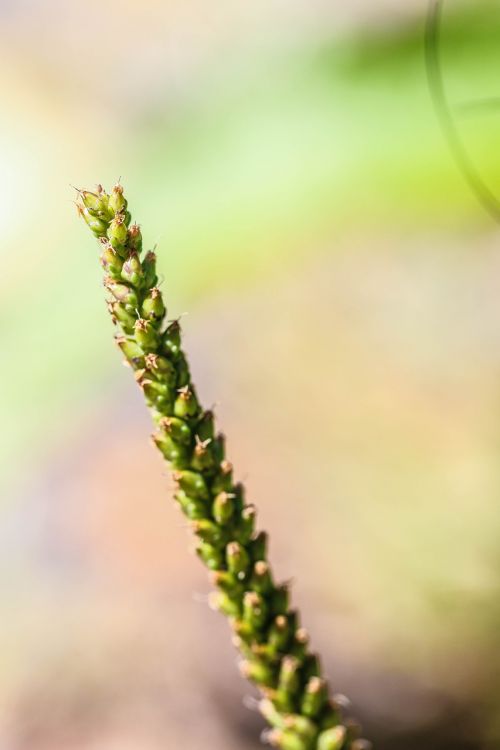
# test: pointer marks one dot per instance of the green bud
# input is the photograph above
(246, 525)
(208, 531)
(146, 334)
(161, 368)
(123, 294)
(186, 404)
(192, 507)
(261, 580)
(152, 306)
(237, 560)
(149, 270)
(134, 238)
(111, 262)
(244, 631)
(287, 739)
(289, 677)
(254, 609)
(331, 717)
(315, 697)
(223, 508)
(117, 202)
(300, 643)
(171, 450)
(279, 633)
(281, 599)
(126, 319)
(271, 714)
(311, 668)
(257, 671)
(117, 232)
(223, 482)
(177, 429)
(258, 546)
(302, 725)
(192, 483)
(226, 581)
(183, 374)
(224, 603)
(96, 225)
(202, 455)
(332, 739)
(157, 394)
(92, 202)
(131, 350)
(132, 270)
(205, 428)
(212, 557)
(172, 339)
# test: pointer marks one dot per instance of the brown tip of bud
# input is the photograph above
(226, 467)
(233, 548)
(249, 511)
(155, 293)
(150, 256)
(245, 669)
(151, 361)
(177, 476)
(281, 622)
(118, 189)
(261, 567)
(302, 636)
(251, 599)
(165, 423)
(141, 324)
(134, 230)
(290, 662)
(315, 685)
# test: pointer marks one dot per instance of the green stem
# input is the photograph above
(274, 647)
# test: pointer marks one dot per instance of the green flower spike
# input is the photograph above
(275, 649)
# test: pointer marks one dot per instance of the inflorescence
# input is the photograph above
(275, 648)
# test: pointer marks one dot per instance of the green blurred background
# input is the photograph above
(343, 289)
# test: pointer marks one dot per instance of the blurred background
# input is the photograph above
(343, 290)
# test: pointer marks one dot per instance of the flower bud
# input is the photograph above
(281, 599)
(131, 350)
(211, 556)
(132, 270)
(254, 609)
(161, 368)
(183, 374)
(145, 334)
(270, 713)
(125, 319)
(117, 201)
(192, 507)
(111, 262)
(224, 479)
(177, 429)
(302, 726)
(237, 559)
(258, 545)
(123, 294)
(315, 697)
(261, 580)
(223, 508)
(332, 739)
(172, 339)
(287, 739)
(289, 677)
(117, 232)
(171, 450)
(134, 238)
(149, 270)
(192, 483)
(221, 601)
(246, 525)
(152, 306)
(208, 531)
(95, 224)
(186, 404)
(257, 671)
(279, 633)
